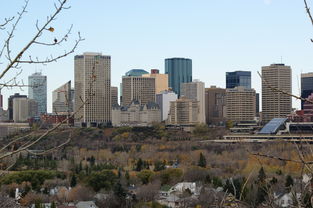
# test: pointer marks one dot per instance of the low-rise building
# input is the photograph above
(136, 114)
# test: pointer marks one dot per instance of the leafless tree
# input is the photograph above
(12, 59)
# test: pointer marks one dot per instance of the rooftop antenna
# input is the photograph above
(281, 59)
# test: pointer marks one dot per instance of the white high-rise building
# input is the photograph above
(93, 83)
(38, 91)
(195, 91)
(163, 99)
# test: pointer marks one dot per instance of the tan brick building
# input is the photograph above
(89, 67)
(138, 88)
(276, 104)
(240, 104)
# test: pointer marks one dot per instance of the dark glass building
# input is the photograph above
(179, 71)
(306, 86)
(238, 78)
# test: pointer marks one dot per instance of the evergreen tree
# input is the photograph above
(202, 161)
(119, 191)
(139, 165)
(73, 181)
(127, 176)
(289, 182)
(92, 161)
(261, 176)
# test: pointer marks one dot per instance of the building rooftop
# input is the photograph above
(136, 72)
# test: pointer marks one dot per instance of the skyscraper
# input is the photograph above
(163, 99)
(62, 99)
(276, 104)
(306, 86)
(195, 91)
(93, 83)
(215, 105)
(138, 88)
(238, 78)
(38, 91)
(179, 71)
(184, 112)
(24, 108)
(161, 80)
(240, 104)
(114, 95)
(10, 104)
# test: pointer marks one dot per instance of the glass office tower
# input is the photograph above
(238, 78)
(38, 91)
(179, 71)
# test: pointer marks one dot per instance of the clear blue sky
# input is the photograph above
(218, 35)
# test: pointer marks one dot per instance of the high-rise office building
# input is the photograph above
(215, 105)
(195, 91)
(184, 112)
(93, 83)
(138, 88)
(164, 99)
(306, 86)
(257, 105)
(24, 108)
(62, 99)
(179, 71)
(161, 80)
(10, 104)
(114, 95)
(37, 91)
(238, 78)
(240, 104)
(276, 104)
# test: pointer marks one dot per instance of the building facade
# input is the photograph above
(179, 71)
(62, 101)
(276, 104)
(238, 78)
(10, 104)
(184, 112)
(138, 88)
(161, 80)
(164, 99)
(93, 83)
(136, 114)
(23, 109)
(195, 91)
(114, 95)
(240, 104)
(215, 105)
(37, 91)
(306, 86)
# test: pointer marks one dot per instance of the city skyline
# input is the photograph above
(240, 38)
